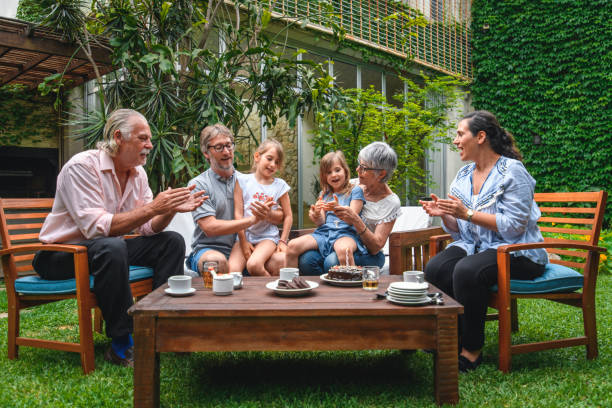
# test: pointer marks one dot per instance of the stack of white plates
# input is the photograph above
(408, 293)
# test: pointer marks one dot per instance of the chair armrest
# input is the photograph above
(436, 243)
(81, 265)
(549, 244)
(74, 249)
(503, 262)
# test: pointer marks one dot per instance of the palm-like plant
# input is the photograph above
(165, 72)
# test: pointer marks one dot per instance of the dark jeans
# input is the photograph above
(311, 262)
(109, 260)
(468, 279)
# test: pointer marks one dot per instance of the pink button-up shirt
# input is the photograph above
(89, 195)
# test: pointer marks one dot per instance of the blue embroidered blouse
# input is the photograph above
(508, 193)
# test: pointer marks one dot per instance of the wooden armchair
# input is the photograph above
(20, 223)
(575, 220)
(410, 250)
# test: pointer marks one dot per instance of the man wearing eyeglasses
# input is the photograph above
(216, 228)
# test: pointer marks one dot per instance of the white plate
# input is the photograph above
(423, 301)
(408, 301)
(409, 286)
(345, 283)
(170, 292)
(291, 292)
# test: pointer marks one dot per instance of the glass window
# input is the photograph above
(394, 86)
(345, 75)
(319, 59)
(371, 77)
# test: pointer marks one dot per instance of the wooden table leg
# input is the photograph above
(146, 362)
(446, 365)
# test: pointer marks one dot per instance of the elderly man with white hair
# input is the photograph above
(101, 195)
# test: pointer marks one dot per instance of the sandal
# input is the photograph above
(466, 365)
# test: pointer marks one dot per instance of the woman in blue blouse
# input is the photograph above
(490, 204)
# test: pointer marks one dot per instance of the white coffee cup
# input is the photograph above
(179, 283)
(414, 276)
(237, 279)
(289, 273)
(223, 284)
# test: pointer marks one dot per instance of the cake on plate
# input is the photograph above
(345, 273)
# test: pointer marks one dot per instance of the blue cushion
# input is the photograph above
(556, 278)
(34, 285)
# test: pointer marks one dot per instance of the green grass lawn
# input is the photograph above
(554, 378)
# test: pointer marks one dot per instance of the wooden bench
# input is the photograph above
(20, 224)
(571, 223)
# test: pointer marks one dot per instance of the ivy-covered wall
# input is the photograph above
(27, 119)
(544, 67)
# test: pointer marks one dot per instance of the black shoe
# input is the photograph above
(466, 365)
(113, 358)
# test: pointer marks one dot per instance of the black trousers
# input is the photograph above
(109, 261)
(468, 279)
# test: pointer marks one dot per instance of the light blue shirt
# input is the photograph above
(508, 193)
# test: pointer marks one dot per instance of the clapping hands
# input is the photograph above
(261, 209)
(178, 200)
(438, 207)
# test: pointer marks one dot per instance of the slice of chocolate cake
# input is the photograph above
(345, 273)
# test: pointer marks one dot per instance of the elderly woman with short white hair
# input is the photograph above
(377, 162)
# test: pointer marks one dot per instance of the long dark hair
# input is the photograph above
(501, 141)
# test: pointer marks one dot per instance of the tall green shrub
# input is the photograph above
(545, 69)
(350, 119)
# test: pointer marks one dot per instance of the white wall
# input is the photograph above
(8, 8)
(444, 162)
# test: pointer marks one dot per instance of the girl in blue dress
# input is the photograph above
(332, 233)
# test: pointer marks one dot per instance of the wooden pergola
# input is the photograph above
(29, 53)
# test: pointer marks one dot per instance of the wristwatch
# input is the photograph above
(470, 214)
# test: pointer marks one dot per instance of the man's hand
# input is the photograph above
(177, 200)
(195, 200)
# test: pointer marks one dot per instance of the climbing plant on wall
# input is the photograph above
(26, 118)
(544, 68)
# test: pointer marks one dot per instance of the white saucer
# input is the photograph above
(409, 286)
(222, 293)
(170, 292)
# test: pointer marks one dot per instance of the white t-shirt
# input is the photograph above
(253, 191)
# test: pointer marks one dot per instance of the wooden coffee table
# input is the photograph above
(256, 319)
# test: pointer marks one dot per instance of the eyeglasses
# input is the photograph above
(219, 147)
(361, 167)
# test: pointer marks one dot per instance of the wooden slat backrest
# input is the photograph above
(409, 250)
(20, 222)
(568, 217)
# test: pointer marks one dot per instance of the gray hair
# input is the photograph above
(117, 120)
(379, 155)
(212, 131)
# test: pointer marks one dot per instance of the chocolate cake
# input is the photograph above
(345, 273)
